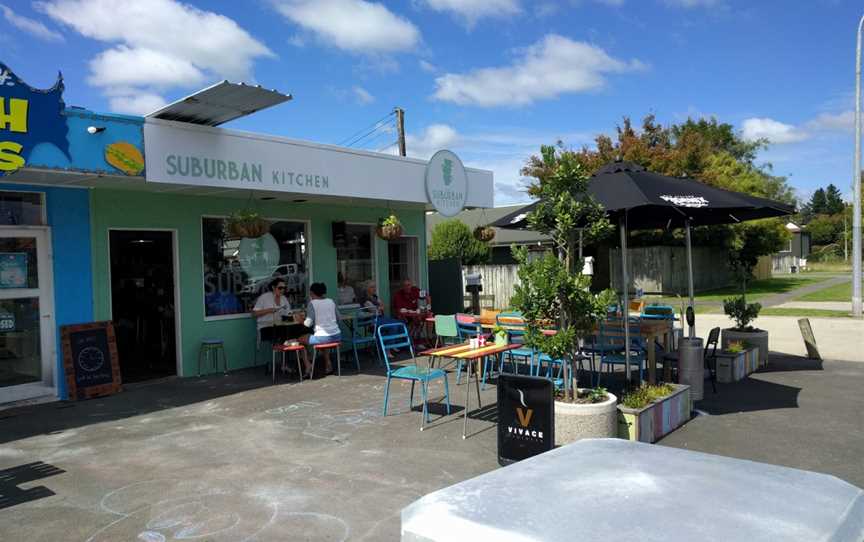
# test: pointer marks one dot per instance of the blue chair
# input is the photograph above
(392, 336)
(362, 334)
(612, 345)
(468, 328)
(514, 323)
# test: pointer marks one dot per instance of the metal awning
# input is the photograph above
(220, 103)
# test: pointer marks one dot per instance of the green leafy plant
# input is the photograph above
(552, 288)
(453, 239)
(484, 233)
(741, 312)
(389, 227)
(646, 394)
(597, 395)
(735, 347)
(246, 223)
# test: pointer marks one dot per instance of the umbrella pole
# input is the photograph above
(625, 280)
(692, 331)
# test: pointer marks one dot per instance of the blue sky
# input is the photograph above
(490, 79)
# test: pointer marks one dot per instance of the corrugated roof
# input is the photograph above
(220, 103)
(481, 217)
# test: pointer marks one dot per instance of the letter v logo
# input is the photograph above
(524, 416)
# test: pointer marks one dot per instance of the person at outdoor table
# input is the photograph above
(323, 317)
(345, 294)
(269, 310)
(406, 298)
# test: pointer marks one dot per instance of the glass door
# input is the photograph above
(27, 333)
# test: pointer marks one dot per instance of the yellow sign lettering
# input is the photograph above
(15, 119)
(10, 157)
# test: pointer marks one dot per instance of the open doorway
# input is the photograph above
(143, 304)
(402, 260)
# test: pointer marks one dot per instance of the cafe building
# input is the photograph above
(138, 221)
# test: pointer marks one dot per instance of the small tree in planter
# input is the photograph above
(553, 289)
(751, 241)
(389, 228)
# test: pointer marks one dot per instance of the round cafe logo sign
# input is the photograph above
(446, 183)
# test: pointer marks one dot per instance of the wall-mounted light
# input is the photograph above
(95, 129)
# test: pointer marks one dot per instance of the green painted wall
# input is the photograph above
(143, 210)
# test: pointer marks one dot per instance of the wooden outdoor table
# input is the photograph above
(651, 329)
(473, 356)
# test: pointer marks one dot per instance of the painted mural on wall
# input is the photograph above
(28, 117)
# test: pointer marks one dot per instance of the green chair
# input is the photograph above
(210, 351)
(446, 329)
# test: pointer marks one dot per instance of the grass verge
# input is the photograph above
(805, 313)
(838, 292)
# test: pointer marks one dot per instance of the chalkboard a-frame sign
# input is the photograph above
(90, 360)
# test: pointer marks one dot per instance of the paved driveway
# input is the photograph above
(234, 458)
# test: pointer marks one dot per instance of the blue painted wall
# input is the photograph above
(68, 211)
(88, 150)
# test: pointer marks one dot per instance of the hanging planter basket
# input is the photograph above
(248, 224)
(389, 228)
(484, 233)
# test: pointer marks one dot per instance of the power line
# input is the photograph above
(368, 129)
(376, 132)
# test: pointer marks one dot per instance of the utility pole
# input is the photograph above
(856, 185)
(400, 129)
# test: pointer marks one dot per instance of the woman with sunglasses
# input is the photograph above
(270, 310)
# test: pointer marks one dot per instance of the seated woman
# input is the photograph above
(373, 304)
(271, 309)
(323, 317)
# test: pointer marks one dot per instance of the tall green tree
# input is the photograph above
(818, 202)
(833, 200)
(453, 239)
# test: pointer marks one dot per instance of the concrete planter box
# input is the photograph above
(732, 367)
(577, 421)
(757, 338)
(652, 422)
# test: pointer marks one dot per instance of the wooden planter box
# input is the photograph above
(654, 421)
(732, 367)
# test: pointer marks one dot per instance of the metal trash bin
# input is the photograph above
(691, 366)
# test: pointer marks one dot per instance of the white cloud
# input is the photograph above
(362, 96)
(772, 130)
(31, 26)
(136, 103)
(159, 44)
(427, 66)
(352, 25)
(434, 138)
(842, 122)
(554, 65)
(470, 11)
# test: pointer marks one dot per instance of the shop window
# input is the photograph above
(22, 208)
(355, 263)
(237, 271)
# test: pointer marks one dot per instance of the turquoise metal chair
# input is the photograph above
(362, 334)
(392, 336)
(446, 329)
(612, 346)
(514, 323)
(468, 328)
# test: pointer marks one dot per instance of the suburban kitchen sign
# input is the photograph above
(187, 154)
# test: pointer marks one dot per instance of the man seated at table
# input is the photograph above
(406, 307)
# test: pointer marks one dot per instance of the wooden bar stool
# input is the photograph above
(283, 349)
(327, 346)
(210, 351)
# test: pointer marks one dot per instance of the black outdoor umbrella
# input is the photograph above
(638, 199)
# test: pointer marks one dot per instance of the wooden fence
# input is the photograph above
(498, 282)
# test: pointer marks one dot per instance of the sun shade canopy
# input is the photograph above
(220, 103)
(651, 200)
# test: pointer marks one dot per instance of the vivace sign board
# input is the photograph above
(526, 417)
(192, 155)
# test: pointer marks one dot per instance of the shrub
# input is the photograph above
(742, 312)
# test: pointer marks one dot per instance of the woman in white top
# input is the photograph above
(323, 317)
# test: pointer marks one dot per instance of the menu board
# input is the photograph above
(809, 339)
(90, 360)
(526, 417)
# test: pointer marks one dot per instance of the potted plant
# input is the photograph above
(553, 289)
(652, 411)
(750, 241)
(389, 227)
(743, 313)
(484, 233)
(247, 223)
(500, 335)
